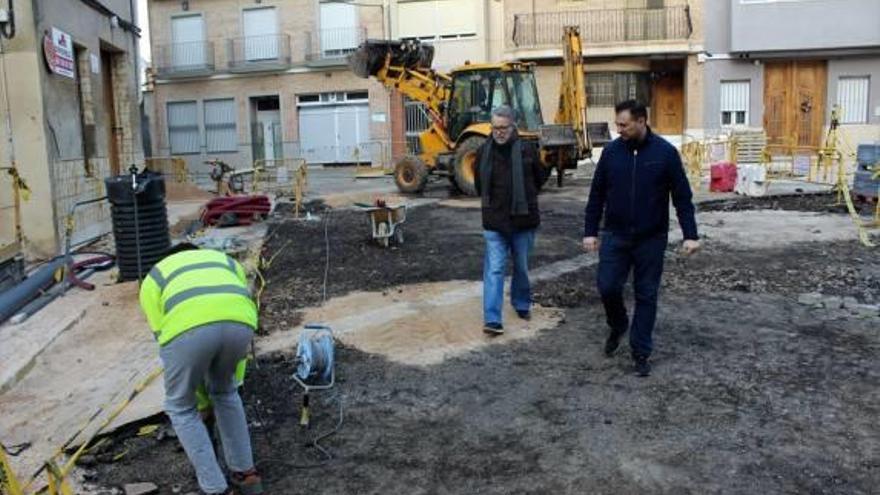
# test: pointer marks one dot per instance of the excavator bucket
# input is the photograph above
(370, 57)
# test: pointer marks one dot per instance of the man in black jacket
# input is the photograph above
(634, 179)
(507, 178)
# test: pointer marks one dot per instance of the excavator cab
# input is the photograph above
(475, 92)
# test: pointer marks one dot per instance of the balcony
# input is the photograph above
(189, 59)
(331, 46)
(612, 26)
(258, 53)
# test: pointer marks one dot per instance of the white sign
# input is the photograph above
(379, 117)
(58, 51)
(96, 63)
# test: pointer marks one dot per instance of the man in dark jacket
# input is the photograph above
(507, 178)
(634, 179)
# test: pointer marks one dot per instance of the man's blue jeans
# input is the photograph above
(618, 254)
(498, 245)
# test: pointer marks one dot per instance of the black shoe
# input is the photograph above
(613, 342)
(525, 315)
(493, 328)
(643, 367)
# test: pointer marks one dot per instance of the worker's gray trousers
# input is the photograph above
(208, 354)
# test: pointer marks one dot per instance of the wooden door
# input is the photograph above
(109, 110)
(667, 109)
(794, 102)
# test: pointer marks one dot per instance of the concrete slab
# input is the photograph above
(95, 362)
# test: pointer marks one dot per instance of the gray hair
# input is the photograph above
(506, 112)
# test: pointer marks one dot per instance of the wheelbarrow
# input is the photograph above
(385, 221)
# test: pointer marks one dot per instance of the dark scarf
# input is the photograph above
(519, 206)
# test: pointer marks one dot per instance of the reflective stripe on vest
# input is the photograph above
(163, 282)
(202, 291)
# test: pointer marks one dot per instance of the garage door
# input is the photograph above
(335, 133)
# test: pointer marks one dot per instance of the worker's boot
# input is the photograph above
(246, 483)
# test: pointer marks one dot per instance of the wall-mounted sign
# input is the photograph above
(58, 51)
(378, 117)
(96, 63)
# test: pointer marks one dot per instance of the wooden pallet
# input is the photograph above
(750, 145)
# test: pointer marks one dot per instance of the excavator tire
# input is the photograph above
(410, 174)
(466, 161)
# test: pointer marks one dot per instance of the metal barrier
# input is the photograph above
(72, 182)
(12, 191)
(283, 177)
(379, 155)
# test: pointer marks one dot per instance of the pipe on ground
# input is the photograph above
(15, 298)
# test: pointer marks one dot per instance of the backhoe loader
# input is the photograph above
(460, 104)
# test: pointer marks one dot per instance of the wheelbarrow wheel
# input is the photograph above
(382, 234)
(398, 235)
(410, 174)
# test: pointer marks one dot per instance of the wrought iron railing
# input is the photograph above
(601, 26)
(258, 51)
(183, 58)
(333, 44)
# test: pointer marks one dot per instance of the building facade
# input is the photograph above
(244, 81)
(644, 49)
(783, 65)
(69, 116)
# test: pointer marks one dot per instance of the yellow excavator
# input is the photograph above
(460, 104)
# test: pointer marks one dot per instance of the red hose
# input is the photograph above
(82, 284)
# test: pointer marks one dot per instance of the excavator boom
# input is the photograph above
(572, 108)
(406, 67)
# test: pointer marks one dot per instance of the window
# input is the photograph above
(734, 103)
(606, 89)
(417, 120)
(332, 98)
(261, 40)
(188, 42)
(852, 98)
(220, 125)
(600, 90)
(339, 32)
(438, 19)
(183, 127)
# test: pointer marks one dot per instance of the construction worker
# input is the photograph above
(198, 305)
(634, 179)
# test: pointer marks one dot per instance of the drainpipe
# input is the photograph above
(487, 29)
(137, 75)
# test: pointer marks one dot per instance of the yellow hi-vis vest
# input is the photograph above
(194, 288)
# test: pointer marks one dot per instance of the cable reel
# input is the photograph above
(316, 358)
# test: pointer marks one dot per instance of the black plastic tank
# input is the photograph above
(140, 222)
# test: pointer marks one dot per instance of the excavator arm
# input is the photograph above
(406, 67)
(572, 108)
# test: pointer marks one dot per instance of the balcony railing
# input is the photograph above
(601, 26)
(181, 59)
(270, 51)
(333, 45)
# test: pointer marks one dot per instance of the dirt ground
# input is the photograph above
(752, 391)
